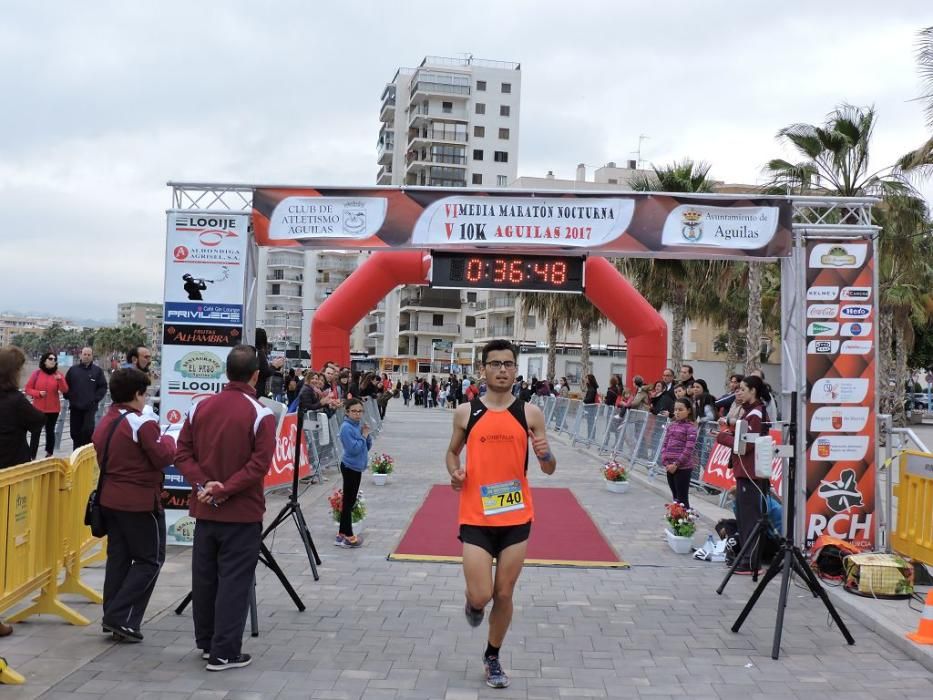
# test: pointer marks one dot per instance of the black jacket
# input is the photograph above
(18, 418)
(87, 385)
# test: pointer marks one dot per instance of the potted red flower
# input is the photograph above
(615, 475)
(681, 525)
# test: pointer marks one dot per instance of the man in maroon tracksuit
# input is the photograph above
(224, 451)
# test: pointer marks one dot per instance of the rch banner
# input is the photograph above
(525, 222)
(841, 361)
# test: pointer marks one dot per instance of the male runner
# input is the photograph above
(495, 500)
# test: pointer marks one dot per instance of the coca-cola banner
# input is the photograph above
(283, 461)
(840, 403)
(527, 222)
(718, 469)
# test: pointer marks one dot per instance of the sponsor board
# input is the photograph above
(854, 527)
(857, 347)
(225, 336)
(856, 293)
(839, 390)
(855, 330)
(718, 469)
(849, 419)
(854, 311)
(823, 347)
(523, 222)
(198, 314)
(839, 448)
(205, 257)
(822, 310)
(733, 227)
(282, 469)
(304, 218)
(822, 328)
(822, 293)
(190, 373)
(917, 464)
(838, 255)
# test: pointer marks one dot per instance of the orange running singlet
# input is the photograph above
(495, 492)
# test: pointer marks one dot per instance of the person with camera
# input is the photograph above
(132, 453)
(224, 450)
(749, 491)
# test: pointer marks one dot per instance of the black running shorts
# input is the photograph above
(494, 539)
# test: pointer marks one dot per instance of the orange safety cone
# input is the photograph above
(924, 633)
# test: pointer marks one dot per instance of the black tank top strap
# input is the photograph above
(517, 409)
(477, 409)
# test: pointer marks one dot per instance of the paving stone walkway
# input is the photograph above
(380, 629)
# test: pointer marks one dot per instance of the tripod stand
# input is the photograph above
(789, 558)
(762, 528)
(291, 508)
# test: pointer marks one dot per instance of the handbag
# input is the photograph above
(93, 515)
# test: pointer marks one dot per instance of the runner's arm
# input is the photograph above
(457, 441)
(538, 435)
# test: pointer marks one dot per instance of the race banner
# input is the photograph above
(718, 470)
(527, 222)
(841, 392)
(205, 258)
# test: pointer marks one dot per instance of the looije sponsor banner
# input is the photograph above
(840, 411)
(532, 222)
(206, 258)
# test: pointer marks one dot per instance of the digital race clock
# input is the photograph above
(545, 273)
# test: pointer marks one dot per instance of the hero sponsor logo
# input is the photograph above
(839, 390)
(822, 293)
(855, 330)
(854, 311)
(822, 329)
(822, 310)
(834, 419)
(856, 293)
(856, 347)
(822, 347)
(839, 448)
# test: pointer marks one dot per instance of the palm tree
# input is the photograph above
(573, 311)
(921, 158)
(668, 282)
(836, 162)
(543, 306)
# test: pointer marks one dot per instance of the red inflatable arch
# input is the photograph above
(644, 329)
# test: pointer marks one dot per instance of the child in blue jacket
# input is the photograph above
(356, 441)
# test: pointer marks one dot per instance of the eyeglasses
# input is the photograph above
(497, 364)
(355, 410)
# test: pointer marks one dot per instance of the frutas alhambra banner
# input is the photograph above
(527, 222)
(842, 331)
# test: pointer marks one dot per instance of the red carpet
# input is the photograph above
(563, 533)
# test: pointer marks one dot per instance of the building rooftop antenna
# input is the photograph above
(639, 161)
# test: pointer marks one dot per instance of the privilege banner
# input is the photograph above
(840, 406)
(527, 222)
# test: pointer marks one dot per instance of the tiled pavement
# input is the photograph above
(381, 629)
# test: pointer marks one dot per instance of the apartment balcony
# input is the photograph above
(421, 115)
(332, 263)
(427, 82)
(495, 305)
(429, 301)
(424, 137)
(375, 329)
(295, 260)
(417, 161)
(387, 113)
(385, 151)
(423, 328)
(384, 176)
(380, 308)
(283, 276)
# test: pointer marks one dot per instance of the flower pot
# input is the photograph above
(680, 545)
(617, 486)
(380, 479)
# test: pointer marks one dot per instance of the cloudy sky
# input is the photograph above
(104, 102)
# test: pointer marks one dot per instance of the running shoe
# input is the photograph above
(216, 664)
(474, 617)
(495, 676)
(339, 541)
(353, 541)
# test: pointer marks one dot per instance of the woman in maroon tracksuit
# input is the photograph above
(133, 453)
(46, 386)
(749, 491)
(677, 451)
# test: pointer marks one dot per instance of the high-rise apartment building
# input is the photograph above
(146, 315)
(450, 122)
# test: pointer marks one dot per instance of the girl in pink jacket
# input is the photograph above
(677, 456)
(46, 386)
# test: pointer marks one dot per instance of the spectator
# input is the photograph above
(87, 387)
(686, 374)
(662, 401)
(133, 455)
(590, 396)
(343, 385)
(356, 441)
(277, 385)
(677, 451)
(139, 357)
(725, 402)
(406, 392)
(612, 393)
(265, 372)
(45, 386)
(224, 450)
(772, 405)
(564, 390)
(704, 407)
(641, 401)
